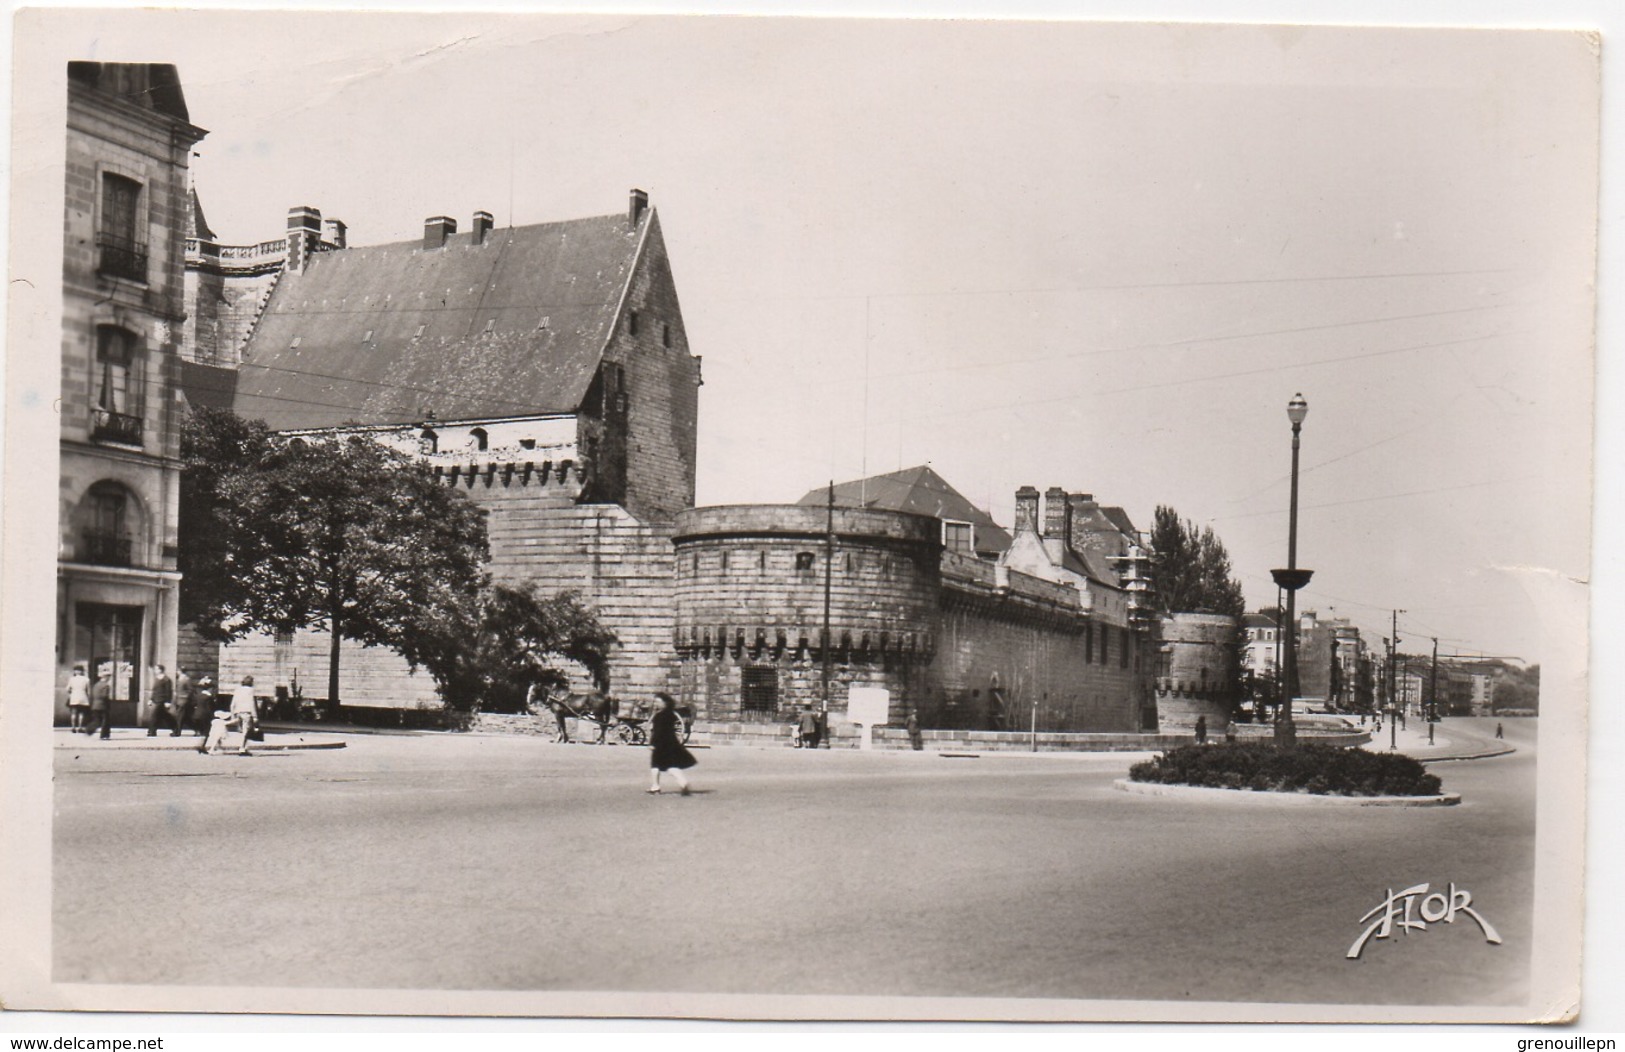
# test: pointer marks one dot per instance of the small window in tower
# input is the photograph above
(665, 334)
(761, 560)
(759, 689)
(724, 560)
(805, 560)
(632, 322)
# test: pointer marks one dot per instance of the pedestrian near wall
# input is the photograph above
(185, 701)
(1201, 730)
(809, 728)
(163, 703)
(101, 704)
(914, 738)
(244, 711)
(79, 701)
(666, 751)
(1500, 732)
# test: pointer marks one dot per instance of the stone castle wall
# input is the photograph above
(964, 643)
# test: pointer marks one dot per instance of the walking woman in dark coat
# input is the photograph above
(667, 752)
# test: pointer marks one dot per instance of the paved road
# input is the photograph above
(465, 862)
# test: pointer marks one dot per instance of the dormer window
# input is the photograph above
(632, 322)
(428, 442)
(478, 439)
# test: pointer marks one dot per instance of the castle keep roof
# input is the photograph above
(389, 334)
(919, 491)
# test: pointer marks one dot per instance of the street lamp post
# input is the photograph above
(1290, 580)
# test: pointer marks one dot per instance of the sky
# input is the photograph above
(1095, 256)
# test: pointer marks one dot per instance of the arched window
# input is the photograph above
(479, 440)
(428, 442)
(109, 520)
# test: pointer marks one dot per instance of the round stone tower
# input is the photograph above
(1197, 675)
(751, 583)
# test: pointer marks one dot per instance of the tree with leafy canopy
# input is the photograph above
(336, 533)
(1191, 568)
(519, 639)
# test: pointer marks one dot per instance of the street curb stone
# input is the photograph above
(1201, 792)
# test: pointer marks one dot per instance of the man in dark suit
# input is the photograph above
(185, 701)
(163, 702)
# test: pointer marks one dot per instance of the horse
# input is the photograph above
(593, 707)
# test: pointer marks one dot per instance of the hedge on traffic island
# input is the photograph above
(1325, 770)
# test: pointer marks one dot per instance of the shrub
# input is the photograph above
(1327, 770)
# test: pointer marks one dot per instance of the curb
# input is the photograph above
(1200, 792)
(1504, 751)
(260, 747)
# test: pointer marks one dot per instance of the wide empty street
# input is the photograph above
(485, 862)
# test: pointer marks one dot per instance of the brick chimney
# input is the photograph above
(336, 232)
(635, 208)
(304, 235)
(1080, 508)
(436, 229)
(1057, 523)
(482, 226)
(1026, 509)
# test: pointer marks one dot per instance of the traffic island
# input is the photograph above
(1302, 770)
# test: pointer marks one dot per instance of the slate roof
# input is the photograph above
(208, 385)
(391, 333)
(919, 490)
(196, 225)
(151, 86)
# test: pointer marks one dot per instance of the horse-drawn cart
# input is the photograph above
(603, 712)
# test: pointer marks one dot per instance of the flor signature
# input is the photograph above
(1414, 909)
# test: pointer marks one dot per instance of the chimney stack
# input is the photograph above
(482, 226)
(635, 208)
(304, 235)
(436, 229)
(1057, 523)
(336, 232)
(1026, 509)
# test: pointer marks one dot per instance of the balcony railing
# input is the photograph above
(121, 258)
(106, 549)
(108, 426)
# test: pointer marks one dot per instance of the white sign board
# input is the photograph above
(869, 706)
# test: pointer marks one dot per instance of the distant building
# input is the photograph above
(542, 370)
(129, 139)
(1261, 647)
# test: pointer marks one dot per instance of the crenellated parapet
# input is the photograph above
(512, 473)
(757, 643)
